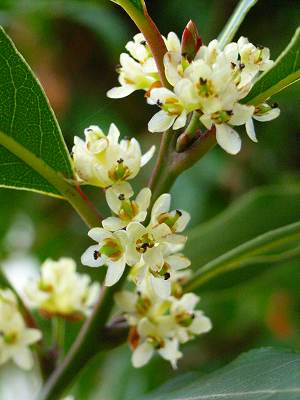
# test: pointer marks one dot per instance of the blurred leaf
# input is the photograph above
(284, 72)
(258, 374)
(18, 384)
(267, 248)
(235, 21)
(27, 123)
(257, 212)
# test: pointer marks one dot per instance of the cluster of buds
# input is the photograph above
(15, 336)
(61, 291)
(148, 241)
(208, 81)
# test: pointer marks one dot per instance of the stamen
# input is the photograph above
(96, 255)
(274, 105)
(121, 197)
(120, 160)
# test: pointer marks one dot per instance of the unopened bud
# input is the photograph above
(190, 41)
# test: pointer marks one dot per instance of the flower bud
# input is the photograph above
(190, 41)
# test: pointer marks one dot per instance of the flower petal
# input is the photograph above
(98, 234)
(113, 224)
(228, 139)
(161, 122)
(88, 258)
(114, 271)
(147, 156)
(120, 91)
(251, 130)
(142, 354)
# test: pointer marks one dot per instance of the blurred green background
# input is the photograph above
(73, 47)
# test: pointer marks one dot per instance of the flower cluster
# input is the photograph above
(61, 291)
(15, 337)
(153, 251)
(161, 324)
(101, 160)
(148, 241)
(209, 82)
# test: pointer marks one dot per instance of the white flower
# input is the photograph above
(109, 251)
(160, 324)
(173, 112)
(134, 76)
(15, 337)
(60, 290)
(150, 244)
(253, 59)
(138, 48)
(226, 136)
(176, 220)
(125, 210)
(189, 322)
(103, 161)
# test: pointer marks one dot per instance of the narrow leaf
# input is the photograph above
(269, 247)
(27, 119)
(235, 21)
(254, 214)
(257, 375)
(284, 72)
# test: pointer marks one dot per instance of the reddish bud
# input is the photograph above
(190, 41)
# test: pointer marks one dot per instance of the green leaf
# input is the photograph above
(256, 213)
(284, 72)
(257, 375)
(235, 21)
(137, 4)
(268, 248)
(27, 122)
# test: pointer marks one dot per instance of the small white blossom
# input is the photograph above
(110, 251)
(118, 198)
(15, 337)
(160, 324)
(60, 290)
(102, 160)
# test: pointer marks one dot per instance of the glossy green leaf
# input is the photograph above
(27, 120)
(274, 246)
(284, 72)
(255, 214)
(235, 21)
(257, 375)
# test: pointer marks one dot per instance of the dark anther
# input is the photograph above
(96, 255)
(274, 105)
(233, 65)
(203, 81)
(89, 129)
(260, 47)
(144, 246)
(193, 316)
(242, 66)
(167, 276)
(159, 103)
(229, 112)
(179, 213)
(139, 293)
(120, 160)
(143, 42)
(184, 55)
(121, 196)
